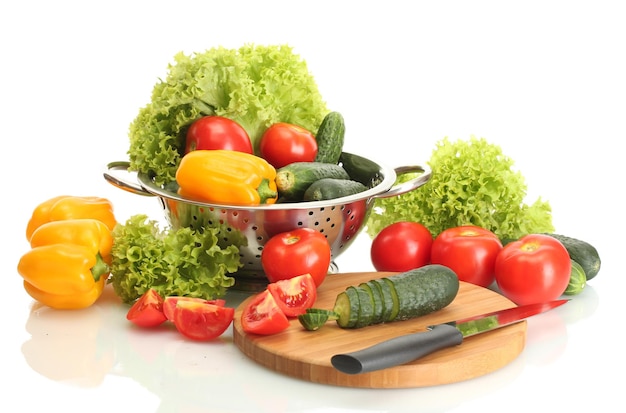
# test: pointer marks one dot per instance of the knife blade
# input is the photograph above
(410, 347)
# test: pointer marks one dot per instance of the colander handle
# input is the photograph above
(118, 182)
(409, 185)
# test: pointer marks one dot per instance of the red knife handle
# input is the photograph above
(397, 351)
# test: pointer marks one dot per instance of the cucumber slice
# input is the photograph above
(388, 301)
(366, 308)
(395, 309)
(347, 308)
(377, 301)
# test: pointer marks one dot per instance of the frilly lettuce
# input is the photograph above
(182, 262)
(472, 182)
(253, 85)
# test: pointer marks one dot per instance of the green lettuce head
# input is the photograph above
(472, 183)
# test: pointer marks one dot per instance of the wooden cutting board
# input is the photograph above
(306, 355)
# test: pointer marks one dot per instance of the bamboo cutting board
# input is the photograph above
(306, 355)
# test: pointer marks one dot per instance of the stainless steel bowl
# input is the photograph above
(249, 227)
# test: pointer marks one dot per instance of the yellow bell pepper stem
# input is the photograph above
(61, 269)
(87, 232)
(226, 177)
(71, 207)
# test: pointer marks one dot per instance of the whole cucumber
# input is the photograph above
(582, 252)
(293, 180)
(330, 137)
(332, 188)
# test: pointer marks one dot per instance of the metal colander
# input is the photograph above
(250, 227)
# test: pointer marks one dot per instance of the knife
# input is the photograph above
(409, 347)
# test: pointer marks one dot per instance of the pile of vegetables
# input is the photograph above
(538, 267)
(473, 183)
(248, 126)
(256, 86)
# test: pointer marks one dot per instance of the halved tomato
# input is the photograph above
(262, 315)
(147, 311)
(294, 295)
(169, 304)
(202, 321)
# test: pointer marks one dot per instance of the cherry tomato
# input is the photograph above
(217, 132)
(202, 321)
(292, 253)
(470, 252)
(535, 268)
(284, 143)
(401, 246)
(262, 315)
(147, 311)
(294, 295)
(169, 304)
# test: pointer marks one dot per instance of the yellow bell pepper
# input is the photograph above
(71, 207)
(226, 177)
(68, 264)
(88, 232)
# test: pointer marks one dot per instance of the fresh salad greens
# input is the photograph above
(472, 182)
(182, 262)
(255, 86)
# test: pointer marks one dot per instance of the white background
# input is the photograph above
(545, 80)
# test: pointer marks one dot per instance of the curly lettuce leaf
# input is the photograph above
(472, 183)
(181, 262)
(254, 85)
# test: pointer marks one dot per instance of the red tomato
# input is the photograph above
(354, 214)
(216, 132)
(401, 246)
(470, 252)
(297, 252)
(294, 295)
(147, 311)
(169, 304)
(283, 143)
(202, 321)
(535, 268)
(262, 315)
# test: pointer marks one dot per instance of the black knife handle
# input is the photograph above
(397, 351)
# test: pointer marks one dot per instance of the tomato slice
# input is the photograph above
(169, 304)
(147, 311)
(262, 315)
(201, 321)
(294, 295)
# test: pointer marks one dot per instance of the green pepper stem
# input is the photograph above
(100, 268)
(265, 192)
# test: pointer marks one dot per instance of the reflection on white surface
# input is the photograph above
(70, 347)
(91, 347)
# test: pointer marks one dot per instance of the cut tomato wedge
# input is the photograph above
(169, 304)
(201, 321)
(294, 295)
(147, 311)
(262, 315)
